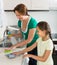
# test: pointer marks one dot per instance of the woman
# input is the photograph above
(27, 25)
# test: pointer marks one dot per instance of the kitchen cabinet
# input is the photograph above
(55, 59)
(31, 4)
(53, 5)
(40, 4)
(55, 51)
(10, 4)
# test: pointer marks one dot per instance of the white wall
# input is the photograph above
(49, 16)
(2, 20)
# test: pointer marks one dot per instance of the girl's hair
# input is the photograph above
(21, 8)
(44, 26)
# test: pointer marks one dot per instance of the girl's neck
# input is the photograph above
(45, 38)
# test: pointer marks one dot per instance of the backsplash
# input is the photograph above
(49, 16)
(15, 28)
(54, 35)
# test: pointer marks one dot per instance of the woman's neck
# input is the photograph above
(25, 18)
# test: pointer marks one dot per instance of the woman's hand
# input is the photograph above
(10, 48)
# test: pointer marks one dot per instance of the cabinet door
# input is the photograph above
(53, 4)
(10, 4)
(40, 4)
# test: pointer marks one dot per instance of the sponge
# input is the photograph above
(8, 51)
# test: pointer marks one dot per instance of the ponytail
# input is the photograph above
(50, 35)
(52, 41)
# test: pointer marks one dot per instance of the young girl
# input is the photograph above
(44, 45)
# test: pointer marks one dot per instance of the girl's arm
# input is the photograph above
(40, 58)
(26, 49)
(30, 37)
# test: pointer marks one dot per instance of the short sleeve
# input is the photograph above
(19, 24)
(49, 45)
(33, 23)
(39, 39)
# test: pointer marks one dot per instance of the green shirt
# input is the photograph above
(32, 24)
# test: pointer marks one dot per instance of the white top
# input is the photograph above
(42, 46)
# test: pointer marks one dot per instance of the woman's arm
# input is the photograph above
(40, 58)
(30, 37)
(17, 35)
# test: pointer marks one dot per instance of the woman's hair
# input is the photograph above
(44, 26)
(21, 8)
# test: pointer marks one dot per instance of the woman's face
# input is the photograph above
(19, 15)
(40, 32)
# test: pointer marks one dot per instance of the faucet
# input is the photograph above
(5, 37)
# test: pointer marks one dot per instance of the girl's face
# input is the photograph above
(41, 33)
(19, 15)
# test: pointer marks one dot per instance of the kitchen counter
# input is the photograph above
(55, 39)
(6, 61)
(55, 43)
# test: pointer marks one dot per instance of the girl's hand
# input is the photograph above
(17, 53)
(27, 55)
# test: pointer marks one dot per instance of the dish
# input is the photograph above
(11, 56)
